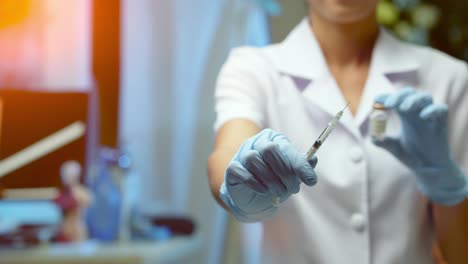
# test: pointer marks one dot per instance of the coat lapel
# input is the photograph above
(300, 57)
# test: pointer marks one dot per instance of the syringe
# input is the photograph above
(318, 142)
(325, 133)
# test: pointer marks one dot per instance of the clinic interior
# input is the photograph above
(107, 113)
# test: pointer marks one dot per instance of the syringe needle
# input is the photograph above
(318, 142)
(345, 106)
(323, 136)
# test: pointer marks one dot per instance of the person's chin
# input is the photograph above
(346, 16)
(346, 2)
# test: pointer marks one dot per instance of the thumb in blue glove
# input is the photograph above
(423, 145)
(266, 167)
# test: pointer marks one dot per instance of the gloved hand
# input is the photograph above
(266, 167)
(423, 145)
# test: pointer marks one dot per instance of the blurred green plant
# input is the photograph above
(411, 20)
(442, 24)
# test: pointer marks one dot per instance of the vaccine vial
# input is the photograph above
(378, 121)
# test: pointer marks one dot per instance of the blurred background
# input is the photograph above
(106, 121)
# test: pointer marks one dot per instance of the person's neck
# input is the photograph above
(345, 44)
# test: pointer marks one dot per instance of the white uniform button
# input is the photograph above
(356, 154)
(358, 222)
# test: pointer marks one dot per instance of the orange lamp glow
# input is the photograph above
(13, 11)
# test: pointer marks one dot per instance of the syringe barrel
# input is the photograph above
(326, 133)
(313, 149)
(323, 136)
(311, 152)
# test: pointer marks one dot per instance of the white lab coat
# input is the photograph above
(366, 207)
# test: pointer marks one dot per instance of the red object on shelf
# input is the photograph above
(65, 200)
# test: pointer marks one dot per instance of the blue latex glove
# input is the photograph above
(423, 145)
(265, 168)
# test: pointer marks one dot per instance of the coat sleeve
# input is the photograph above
(239, 91)
(458, 117)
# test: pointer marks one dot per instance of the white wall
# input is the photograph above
(49, 48)
(68, 44)
(293, 12)
(171, 54)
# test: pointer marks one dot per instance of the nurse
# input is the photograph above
(365, 201)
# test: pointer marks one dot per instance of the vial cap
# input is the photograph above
(379, 106)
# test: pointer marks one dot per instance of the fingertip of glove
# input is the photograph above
(380, 99)
(377, 141)
(393, 100)
(308, 176)
(434, 111)
(313, 161)
(310, 181)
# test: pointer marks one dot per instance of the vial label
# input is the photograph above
(378, 128)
